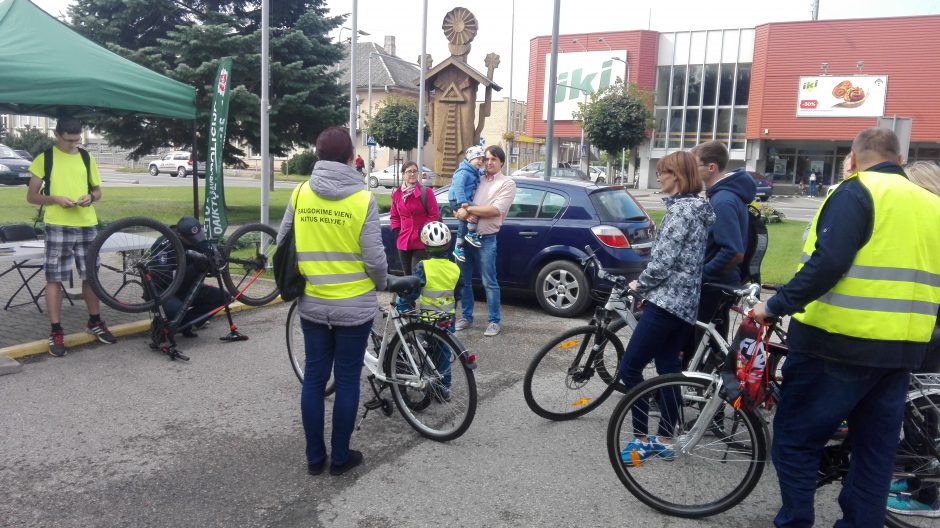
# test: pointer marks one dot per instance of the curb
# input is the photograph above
(41, 346)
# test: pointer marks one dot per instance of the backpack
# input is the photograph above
(757, 239)
(47, 168)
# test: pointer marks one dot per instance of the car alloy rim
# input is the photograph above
(560, 289)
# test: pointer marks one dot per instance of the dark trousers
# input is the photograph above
(340, 350)
(713, 305)
(410, 257)
(816, 396)
(658, 336)
(209, 298)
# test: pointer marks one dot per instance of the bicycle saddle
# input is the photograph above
(403, 284)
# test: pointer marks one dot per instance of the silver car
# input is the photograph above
(391, 176)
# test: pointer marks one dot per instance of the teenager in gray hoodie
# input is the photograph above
(671, 284)
(339, 248)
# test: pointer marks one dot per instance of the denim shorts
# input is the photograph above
(64, 243)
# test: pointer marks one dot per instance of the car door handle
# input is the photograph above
(528, 234)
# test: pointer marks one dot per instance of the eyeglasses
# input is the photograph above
(411, 171)
(662, 173)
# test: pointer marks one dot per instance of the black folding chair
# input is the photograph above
(24, 233)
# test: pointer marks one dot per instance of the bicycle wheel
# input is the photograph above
(124, 253)
(443, 407)
(296, 353)
(916, 461)
(564, 380)
(247, 271)
(689, 480)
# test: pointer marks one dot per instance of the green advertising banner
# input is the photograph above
(214, 208)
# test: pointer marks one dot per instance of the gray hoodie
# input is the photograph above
(334, 181)
(672, 279)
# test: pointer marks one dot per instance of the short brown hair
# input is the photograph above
(712, 152)
(334, 144)
(685, 168)
(877, 142)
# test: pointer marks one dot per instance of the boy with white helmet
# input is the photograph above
(440, 278)
(462, 187)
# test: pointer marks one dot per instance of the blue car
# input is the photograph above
(543, 239)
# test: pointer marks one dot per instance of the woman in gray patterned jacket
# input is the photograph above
(671, 284)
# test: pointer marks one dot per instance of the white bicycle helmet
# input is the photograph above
(435, 234)
(474, 152)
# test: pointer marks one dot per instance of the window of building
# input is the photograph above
(708, 124)
(689, 139)
(678, 85)
(710, 87)
(743, 85)
(694, 96)
(659, 133)
(738, 126)
(675, 128)
(726, 86)
(662, 85)
(724, 125)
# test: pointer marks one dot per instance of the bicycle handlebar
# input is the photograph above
(601, 272)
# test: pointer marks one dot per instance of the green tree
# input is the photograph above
(616, 117)
(29, 139)
(395, 124)
(185, 40)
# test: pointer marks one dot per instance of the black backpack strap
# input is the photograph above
(46, 170)
(86, 159)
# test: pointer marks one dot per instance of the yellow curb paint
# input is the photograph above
(41, 346)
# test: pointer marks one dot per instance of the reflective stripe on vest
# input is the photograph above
(892, 290)
(327, 237)
(440, 278)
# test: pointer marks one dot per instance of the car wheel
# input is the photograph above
(373, 182)
(601, 181)
(154, 170)
(562, 289)
(181, 172)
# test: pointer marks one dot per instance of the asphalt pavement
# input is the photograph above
(121, 436)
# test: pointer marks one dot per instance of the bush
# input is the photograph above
(30, 139)
(302, 163)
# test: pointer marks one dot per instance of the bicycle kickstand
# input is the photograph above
(233, 333)
(378, 402)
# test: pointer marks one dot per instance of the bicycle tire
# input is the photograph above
(296, 353)
(247, 269)
(444, 409)
(558, 382)
(667, 485)
(114, 259)
(911, 457)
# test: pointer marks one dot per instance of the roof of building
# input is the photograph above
(387, 70)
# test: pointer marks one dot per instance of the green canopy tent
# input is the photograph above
(48, 68)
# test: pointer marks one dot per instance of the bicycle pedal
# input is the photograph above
(374, 403)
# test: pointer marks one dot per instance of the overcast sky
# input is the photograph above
(402, 18)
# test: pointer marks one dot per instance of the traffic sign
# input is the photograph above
(371, 142)
(482, 141)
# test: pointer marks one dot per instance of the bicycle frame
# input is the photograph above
(373, 362)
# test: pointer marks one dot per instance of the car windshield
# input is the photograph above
(615, 205)
(7, 152)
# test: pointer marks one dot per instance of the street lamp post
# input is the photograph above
(581, 153)
(353, 99)
(371, 54)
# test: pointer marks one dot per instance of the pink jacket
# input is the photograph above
(408, 215)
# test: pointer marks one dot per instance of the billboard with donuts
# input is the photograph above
(842, 96)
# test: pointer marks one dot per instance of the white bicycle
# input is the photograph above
(428, 370)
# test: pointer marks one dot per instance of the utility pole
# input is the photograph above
(423, 66)
(352, 70)
(267, 179)
(552, 86)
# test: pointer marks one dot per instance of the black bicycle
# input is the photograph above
(136, 264)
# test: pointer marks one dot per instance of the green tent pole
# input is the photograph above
(195, 175)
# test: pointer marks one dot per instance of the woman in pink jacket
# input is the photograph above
(409, 214)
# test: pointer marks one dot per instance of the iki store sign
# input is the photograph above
(581, 72)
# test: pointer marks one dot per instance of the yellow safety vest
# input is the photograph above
(892, 290)
(440, 280)
(326, 233)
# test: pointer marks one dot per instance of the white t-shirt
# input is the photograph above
(812, 177)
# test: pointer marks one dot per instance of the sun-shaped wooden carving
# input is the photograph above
(460, 27)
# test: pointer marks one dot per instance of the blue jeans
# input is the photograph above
(659, 335)
(483, 259)
(339, 349)
(816, 396)
(812, 188)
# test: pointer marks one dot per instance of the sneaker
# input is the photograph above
(458, 254)
(635, 451)
(899, 486)
(473, 240)
(57, 344)
(491, 330)
(462, 324)
(101, 331)
(905, 505)
(663, 451)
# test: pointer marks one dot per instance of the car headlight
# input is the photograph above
(4, 167)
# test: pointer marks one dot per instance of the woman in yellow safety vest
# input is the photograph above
(339, 250)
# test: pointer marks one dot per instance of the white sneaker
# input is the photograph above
(491, 330)
(461, 324)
